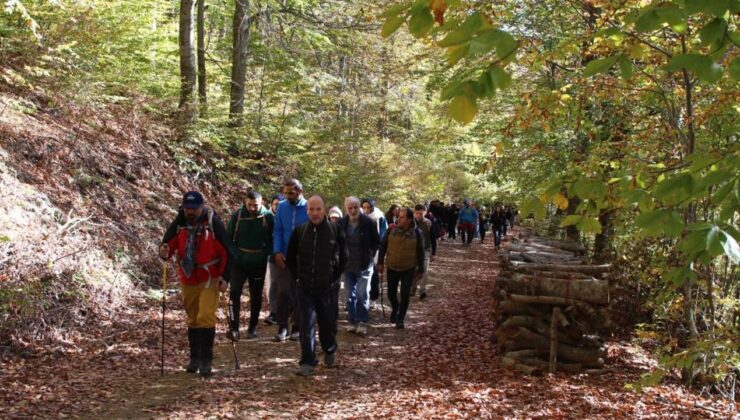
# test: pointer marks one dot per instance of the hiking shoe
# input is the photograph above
(361, 329)
(393, 317)
(422, 295)
(192, 367)
(352, 328)
(399, 325)
(282, 335)
(251, 333)
(329, 359)
(233, 335)
(305, 370)
(270, 320)
(295, 336)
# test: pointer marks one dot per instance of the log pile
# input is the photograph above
(551, 306)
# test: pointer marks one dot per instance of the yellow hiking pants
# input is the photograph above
(200, 304)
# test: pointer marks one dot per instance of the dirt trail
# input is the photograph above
(441, 365)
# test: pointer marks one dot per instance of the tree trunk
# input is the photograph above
(591, 291)
(241, 28)
(202, 95)
(187, 59)
(586, 269)
(602, 242)
(521, 338)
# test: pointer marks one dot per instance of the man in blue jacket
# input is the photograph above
(291, 213)
(363, 242)
(467, 220)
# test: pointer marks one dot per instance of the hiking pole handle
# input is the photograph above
(164, 307)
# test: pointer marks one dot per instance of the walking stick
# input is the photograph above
(164, 307)
(228, 326)
(380, 281)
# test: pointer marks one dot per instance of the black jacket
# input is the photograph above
(369, 238)
(317, 256)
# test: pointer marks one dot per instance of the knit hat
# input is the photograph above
(334, 211)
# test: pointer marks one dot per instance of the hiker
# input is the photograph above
(335, 214)
(498, 221)
(452, 213)
(507, 218)
(250, 229)
(429, 232)
(363, 240)
(370, 209)
(316, 257)
(482, 224)
(198, 237)
(402, 250)
(392, 214)
(291, 213)
(467, 219)
(272, 289)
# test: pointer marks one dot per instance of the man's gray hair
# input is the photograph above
(352, 199)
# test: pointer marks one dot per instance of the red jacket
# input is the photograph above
(211, 256)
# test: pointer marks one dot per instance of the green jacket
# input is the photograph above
(252, 235)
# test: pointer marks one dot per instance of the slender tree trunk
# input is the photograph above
(187, 59)
(202, 87)
(241, 28)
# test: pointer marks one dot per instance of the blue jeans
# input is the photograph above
(358, 294)
(316, 309)
(497, 231)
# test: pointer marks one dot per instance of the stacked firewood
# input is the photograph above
(551, 307)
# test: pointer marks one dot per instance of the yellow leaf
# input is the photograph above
(560, 201)
(463, 109)
(499, 149)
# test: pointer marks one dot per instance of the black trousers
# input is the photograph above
(255, 277)
(375, 285)
(405, 280)
(317, 309)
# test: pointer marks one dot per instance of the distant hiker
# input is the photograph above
(250, 229)
(392, 214)
(316, 257)
(507, 216)
(335, 214)
(363, 241)
(198, 237)
(467, 219)
(482, 224)
(452, 214)
(272, 290)
(429, 233)
(368, 206)
(402, 250)
(498, 221)
(291, 213)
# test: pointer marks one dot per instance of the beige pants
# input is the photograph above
(200, 304)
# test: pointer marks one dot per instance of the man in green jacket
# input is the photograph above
(250, 228)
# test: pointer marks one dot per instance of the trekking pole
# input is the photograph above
(382, 305)
(228, 326)
(164, 307)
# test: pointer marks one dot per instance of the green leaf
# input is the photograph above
(648, 21)
(708, 7)
(722, 192)
(706, 69)
(675, 189)
(607, 32)
(455, 54)
(679, 276)
(473, 24)
(591, 189)
(533, 206)
(729, 246)
(396, 10)
(486, 87)
(659, 222)
(500, 77)
(589, 225)
(421, 23)
(599, 65)
(452, 90)
(713, 31)
(625, 67)
(463, 109)
(734, 68)
(391, 25)
(505, 45)
(694, 243)
(484, 42)
(454, 38)
(570, 220)
(672, 15)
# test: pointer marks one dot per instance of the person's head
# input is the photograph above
(405, 215)
(316, 209)
(276, 199)
(352, 207)
(192, 206)
(253, 202)
(335, 214)
(419, 211)
(292, 190)
(368, 206)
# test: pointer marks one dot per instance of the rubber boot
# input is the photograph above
(206, 361)
(194, 342)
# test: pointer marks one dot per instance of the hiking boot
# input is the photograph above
(233, 335)
(295, 336)
(282, 335)
(194, 341)
(251, 333)
(352, 328)
(393, 317)
(399, 325)
(361, 329)
(305, 370)
(422, 295)
(206, 361)
(329, 359)
(270, 320)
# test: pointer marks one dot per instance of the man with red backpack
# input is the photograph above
(198, 237)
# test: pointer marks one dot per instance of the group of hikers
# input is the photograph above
(305, 251)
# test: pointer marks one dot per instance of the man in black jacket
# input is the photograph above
(363, 241)
(317, 256)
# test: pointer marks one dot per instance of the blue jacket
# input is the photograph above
(468, 215)
(288, 217)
